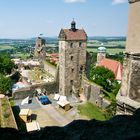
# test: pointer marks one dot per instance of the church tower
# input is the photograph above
(72, 59)
(101, 54)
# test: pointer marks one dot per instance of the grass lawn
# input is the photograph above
(91, 111)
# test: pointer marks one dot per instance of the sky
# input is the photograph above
(29, 18)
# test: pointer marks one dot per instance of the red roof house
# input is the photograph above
(114, 66)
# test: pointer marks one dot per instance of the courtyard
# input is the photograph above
(51, 114)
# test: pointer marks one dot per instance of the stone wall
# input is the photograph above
(23, 93)
(50, 69)
(51, 87)
(129, 94)
(93, 93)
(72, 62)
(128, 99)
(7, 118)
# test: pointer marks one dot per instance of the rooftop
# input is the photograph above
(68, 34)
(114, 66)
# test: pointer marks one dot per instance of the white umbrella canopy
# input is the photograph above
(25, 101)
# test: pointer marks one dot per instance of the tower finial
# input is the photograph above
(73, 25)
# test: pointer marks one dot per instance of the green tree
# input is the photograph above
(5, 84)
(103, 77)
(6, 65)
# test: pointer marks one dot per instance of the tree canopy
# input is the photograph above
(5, 84)
(6, 66)
(103, 77)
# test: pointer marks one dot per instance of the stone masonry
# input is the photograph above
(72, 59)
(128, 99)
(39, 48)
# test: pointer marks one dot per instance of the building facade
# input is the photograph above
(72, 59)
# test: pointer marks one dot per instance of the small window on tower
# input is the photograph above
(81, 67)
(71, 81)
(80, 44)
(72, 70)
(71, 45)
(71, 57)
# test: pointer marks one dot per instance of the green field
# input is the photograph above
(109, 50)
(5, 47)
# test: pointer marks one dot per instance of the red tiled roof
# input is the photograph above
(54, 55)
(79, 34)
(114, 66)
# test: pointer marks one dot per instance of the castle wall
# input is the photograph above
(50, 88)
(94, 94)
(50, 69)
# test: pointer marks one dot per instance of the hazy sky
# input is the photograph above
(29, 18)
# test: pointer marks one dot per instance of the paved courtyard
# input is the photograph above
(50, 115)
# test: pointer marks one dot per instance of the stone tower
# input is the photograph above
(39, 48)
(129, 96)
(101, 54)
(72, 59)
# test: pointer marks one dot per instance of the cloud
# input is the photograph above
(74, 1)
(119, 1)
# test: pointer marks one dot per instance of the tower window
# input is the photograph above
(71, 91)
(71, 57)
(71, 81)
(80, 44)
(81, 67)
(71, 45)
(72, 70)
